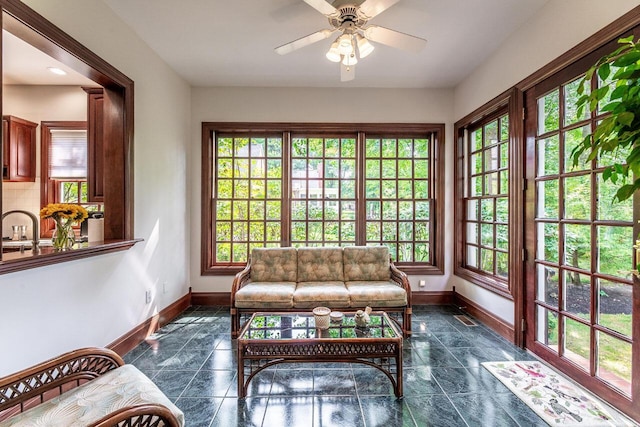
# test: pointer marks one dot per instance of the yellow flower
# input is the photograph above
(69, 211)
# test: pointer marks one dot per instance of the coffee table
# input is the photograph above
(272, 338)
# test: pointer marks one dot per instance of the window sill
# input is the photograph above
(489, 283)
(18, 261)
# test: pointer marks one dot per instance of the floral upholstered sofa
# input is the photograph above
(90, 387)
(345, 279)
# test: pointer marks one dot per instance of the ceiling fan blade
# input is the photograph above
(394, 38)
(371, 8)
(322, 6)
(347, 73)
(304, 41)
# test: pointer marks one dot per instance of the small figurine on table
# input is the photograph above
(362, 317)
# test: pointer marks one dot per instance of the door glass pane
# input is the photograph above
(577, 342)
(547, 281)
(615, 306)
(614, 361)
(548, 156)
(570, 97)
(548, 112)
(615, 252)
(547, 242)
(573, 139)
(577, 246)
(547, 199)
(607, 208)
(547, 328)
(577, 197)
(577, 294)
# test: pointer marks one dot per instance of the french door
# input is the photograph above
(582, 303)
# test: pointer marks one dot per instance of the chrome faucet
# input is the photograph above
(36, 232)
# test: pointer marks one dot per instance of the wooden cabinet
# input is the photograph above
(95, 141)
(18, 149)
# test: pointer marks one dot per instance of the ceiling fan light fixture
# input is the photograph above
(345, 44)
(364, 46)
(333, 54)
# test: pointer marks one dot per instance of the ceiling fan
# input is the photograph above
(350, 17)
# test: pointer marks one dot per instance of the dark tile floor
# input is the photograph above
(193, 361)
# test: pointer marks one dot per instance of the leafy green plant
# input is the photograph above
(618, 134)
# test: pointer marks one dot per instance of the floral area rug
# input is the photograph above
(555, 399)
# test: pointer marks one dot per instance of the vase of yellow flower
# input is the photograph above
(65, 215)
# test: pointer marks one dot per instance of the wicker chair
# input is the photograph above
(41, 390)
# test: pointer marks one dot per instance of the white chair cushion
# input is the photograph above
(86, 404)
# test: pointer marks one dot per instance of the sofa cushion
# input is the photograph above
(320, 264)
(91, 401)
(274, 265)
(266, 295)
(376, 294)
(314, 294)
(366, 263)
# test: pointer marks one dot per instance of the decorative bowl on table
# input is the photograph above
(336, 316)
(321, 316)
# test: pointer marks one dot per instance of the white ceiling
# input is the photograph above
(22, 64)
(231, 42)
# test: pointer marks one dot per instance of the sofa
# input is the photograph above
(299, 279)
(85, 387)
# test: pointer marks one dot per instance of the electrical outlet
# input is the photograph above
(421, 283)
(164, 287)
(147, 296)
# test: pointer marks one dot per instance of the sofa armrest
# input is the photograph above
(149, 415)
(402, 280)
(34, 385)
(242, 278)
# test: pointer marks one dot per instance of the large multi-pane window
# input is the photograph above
(248, 202)
(483, 204)
(397, 196)
(332, 185)
(323, 190)
(582, 242)
(487, 213)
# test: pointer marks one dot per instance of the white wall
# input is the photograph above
(94, 301)
(558, 26)
(36, 104)
(314, 105)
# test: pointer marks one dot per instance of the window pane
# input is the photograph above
(323, 191)
(246, 196)
(572, 139)
(549, 156)
(577, 294)
(614, 359)
(547, 195)
(615, 306)
(577, 246)
(548, 112)
(577, 341)
(615, 251)
(392, 166)
(570, 98)
(547, 328)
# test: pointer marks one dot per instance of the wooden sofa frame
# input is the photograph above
(243, 277)
(42, 382)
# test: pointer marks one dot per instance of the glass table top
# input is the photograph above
(300, 326)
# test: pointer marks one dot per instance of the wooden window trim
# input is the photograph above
(47, 186)
(34, 29)
(436, 165)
